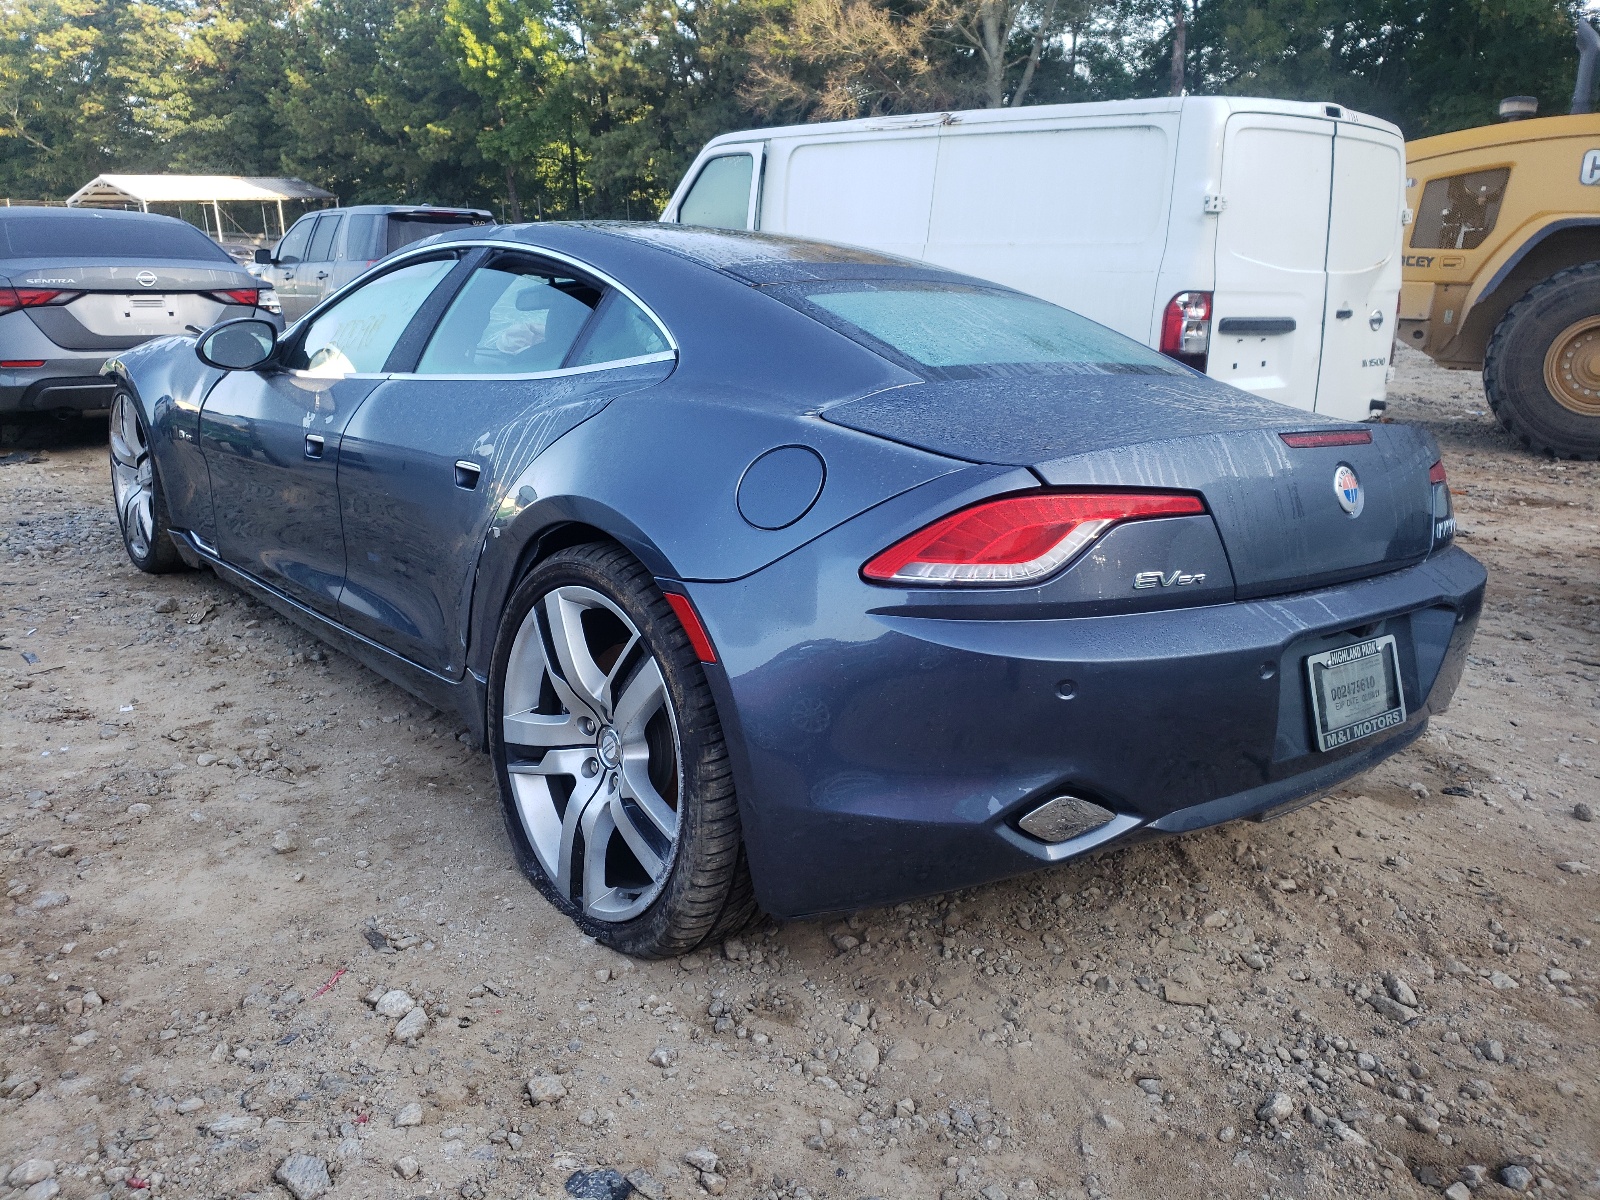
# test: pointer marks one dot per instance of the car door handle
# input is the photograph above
(288, 274)
(322, 274)
(467, 474)
(314, 445)
(1344, 314)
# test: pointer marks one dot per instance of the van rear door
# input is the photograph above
(1272, 246)
(1363, 270)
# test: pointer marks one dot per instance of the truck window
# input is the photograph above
(720, 196)
(405, 228)
(1459, 211)
(293, 247)
(959, 331)
(322, 240)
(361, 237)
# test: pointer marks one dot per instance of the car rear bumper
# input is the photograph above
(71, 386)
(881, 756)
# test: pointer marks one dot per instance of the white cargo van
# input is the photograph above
(1257, 240)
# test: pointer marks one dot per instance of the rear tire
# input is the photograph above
(613, 773)
(1542, 368)
(136, 488)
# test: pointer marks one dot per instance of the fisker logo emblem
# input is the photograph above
(146, 278)
(1348, 490)
(1150, 579)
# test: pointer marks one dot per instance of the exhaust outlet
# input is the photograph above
(1062, 818)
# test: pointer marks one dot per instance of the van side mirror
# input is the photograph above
(263, 256)
(240, 345)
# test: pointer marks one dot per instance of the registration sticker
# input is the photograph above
(1355, 691)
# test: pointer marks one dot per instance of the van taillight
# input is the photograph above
(1186, 328)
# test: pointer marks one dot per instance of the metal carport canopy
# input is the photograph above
(119, 191)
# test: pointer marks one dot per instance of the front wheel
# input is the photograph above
(136, 489)
(613, 771)
(1542, 368)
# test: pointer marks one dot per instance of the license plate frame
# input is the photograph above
(1349, 701)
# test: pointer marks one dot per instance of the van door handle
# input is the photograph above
(1344, 314)
(314, 445)
(467, 474)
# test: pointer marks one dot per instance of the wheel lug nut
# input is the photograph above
(590, 768)
(586, 725)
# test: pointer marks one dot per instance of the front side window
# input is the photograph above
(960, 331)
(356, 335)
(512, 317)
(1459, 211)
(720, 196)
(293, 247)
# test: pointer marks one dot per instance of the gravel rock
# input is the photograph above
(1517, 1178)
(233, 1125)
(605, 1183)
(283, 842)
(412, 1026)
(1501, 982)
(1492, 1050)
(545, 1089)
(702, 1159)
(1458, 1191)
(407, 1167)
(646, 1185)
(663, 1056)
(1279, 1106)
(305, 1175)
(394, 1004)
(46, 900)
(31, 1171)
(1583, 812)
(1391, 1008)
(864, 1057)
(1400, 991)
(408, 1116)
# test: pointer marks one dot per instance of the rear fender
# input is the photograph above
(661, 474)
(170, 383)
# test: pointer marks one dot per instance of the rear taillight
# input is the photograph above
(1018, 539)
(1444, 517)
(246, 296)
(1186, 328)
(14, 298)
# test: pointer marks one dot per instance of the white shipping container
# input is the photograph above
(1257, 240)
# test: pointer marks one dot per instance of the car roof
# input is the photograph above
(443, 210)
(752, 258)
(39, 211)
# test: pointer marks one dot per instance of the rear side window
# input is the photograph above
(512, 317)
(962, 332)
(622, 330)
(405, 228)
(361, 237)
(94, 235)
(322, 240)
(720, 196)
(1459, 211)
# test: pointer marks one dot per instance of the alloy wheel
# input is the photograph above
(593, 753)
(132, 477)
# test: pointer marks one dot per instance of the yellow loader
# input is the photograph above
(1502, 263)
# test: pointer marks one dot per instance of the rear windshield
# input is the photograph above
(84, 235)
(405, 228)
(959, 332)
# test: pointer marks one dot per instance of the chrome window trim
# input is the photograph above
(558, 373)
(554, 256)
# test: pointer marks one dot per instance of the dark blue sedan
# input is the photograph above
(774, 573)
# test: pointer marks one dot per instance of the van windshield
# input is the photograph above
(958, 331)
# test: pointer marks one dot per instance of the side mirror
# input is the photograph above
(263, 256)
(240, 345)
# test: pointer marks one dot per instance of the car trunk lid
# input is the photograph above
(1275, 505)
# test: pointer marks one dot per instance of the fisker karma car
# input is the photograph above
(77, 285)
(777, 575)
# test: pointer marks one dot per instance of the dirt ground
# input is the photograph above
(224, 846)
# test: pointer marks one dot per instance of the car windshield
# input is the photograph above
(82, 235)
(960, 331)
